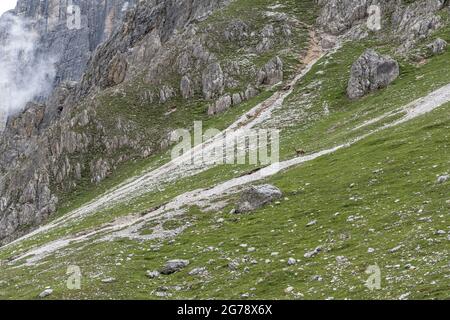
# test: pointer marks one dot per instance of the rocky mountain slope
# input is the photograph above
(364, 105)
(69, 43)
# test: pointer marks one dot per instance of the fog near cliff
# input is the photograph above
(25, 73)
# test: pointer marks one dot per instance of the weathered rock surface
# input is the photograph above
(213, 81)
(186, 87)
(173, 266)
(72, 46)
(438, 46)
(256, 197)
(371, 72)
(405, 21)
(53, 145)
(443, 178)
(48, 148)
(221, 105)
(153, 274)
(45, 293)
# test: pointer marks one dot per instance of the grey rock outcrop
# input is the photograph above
(117, 71)
(438, 46)
(173, 266)
(152, 274)
(416, 21)
(371, 72)
(48, 148)
(237, 31)
(443, 178)
(186, 87)
(338, 16)
(256, 197)
(221, 105)
(405, 21)
(72, 46)
(213, 81)
(45, 293)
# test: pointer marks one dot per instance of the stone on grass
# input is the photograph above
(233, 265)
(371, 72)
(313, 253)
(395, 249)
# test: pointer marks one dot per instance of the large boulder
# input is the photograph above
(438, 46)
(271, 73)
(371, 72)
(256, 197)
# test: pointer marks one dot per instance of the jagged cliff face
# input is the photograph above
(72, 47)
(158, 56)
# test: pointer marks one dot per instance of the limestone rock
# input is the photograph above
(256, 197)
(153, 274)
(45, 293)
(408, 21)
(438, 46)
(173, 266)
(72, 46)
(443, 178)
(221, 105)
(186, 87)
(236, 31)
(166, 93)
(271, 73)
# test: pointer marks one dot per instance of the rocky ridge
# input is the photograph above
(67, 141)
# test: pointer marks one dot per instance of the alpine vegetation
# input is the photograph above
(225, 150)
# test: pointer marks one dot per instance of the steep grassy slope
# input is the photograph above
(378, 194)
